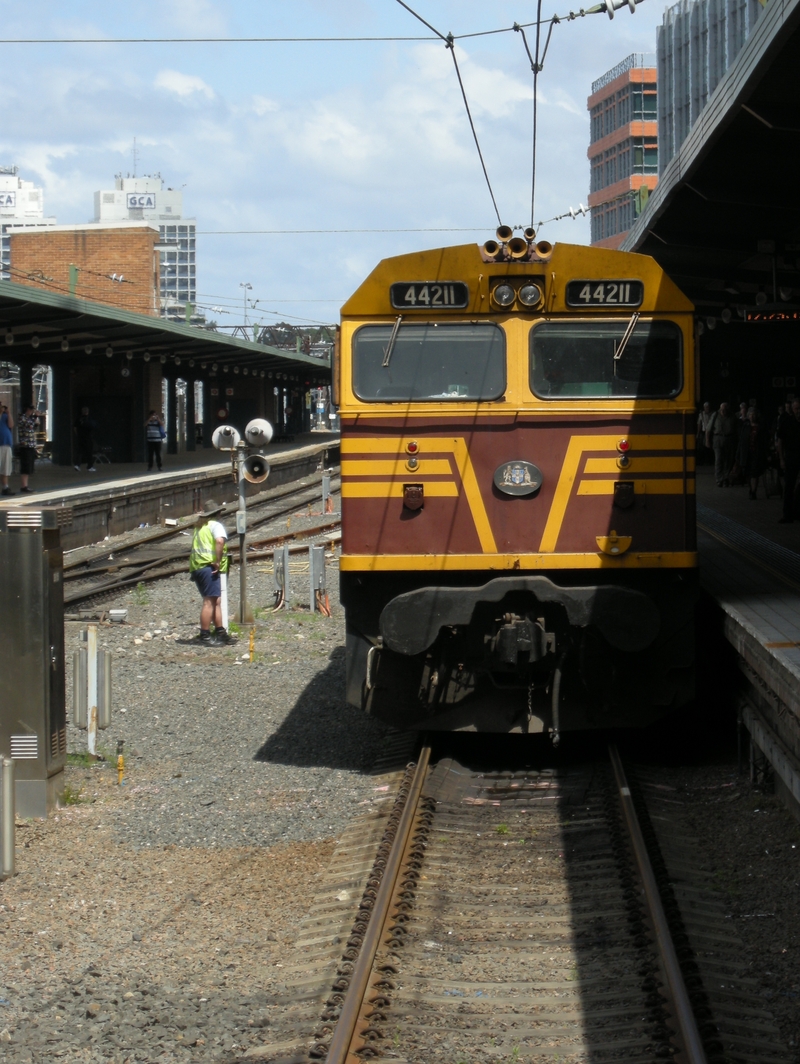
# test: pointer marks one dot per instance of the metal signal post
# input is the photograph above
(244, 614)
(252, 466)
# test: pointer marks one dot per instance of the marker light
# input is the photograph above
(412, 446)
(623, 446)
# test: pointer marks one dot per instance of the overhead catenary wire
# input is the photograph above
(388, 39)
(449, 41)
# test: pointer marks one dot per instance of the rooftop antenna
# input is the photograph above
(135, 156)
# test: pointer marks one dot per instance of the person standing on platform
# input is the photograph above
(703, 421)
(208, 559)
(26, 448)
(6, 448)
(789, 451)
(755, 451)
(84, 437)
(722, 436)
(154, 435)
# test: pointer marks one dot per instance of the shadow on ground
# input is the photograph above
(322, 730)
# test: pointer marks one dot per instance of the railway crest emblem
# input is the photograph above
(518, 478)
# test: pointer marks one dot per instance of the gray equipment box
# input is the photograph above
(33, 722)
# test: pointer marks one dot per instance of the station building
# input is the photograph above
(122, 363)
(117, 265)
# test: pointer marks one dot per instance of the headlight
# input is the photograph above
(530, 294)
(503, 295)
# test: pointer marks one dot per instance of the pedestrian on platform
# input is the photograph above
(26, 448)
(154, 435)
(742, 415)
(6, 448)
(722, 436)
(703, 421)
(84, 438)
(755, 450)
(209, 558)
(789, 451)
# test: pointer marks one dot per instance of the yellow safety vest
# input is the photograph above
(204, 551)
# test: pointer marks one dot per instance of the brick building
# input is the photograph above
(117, 265)
(623, 150)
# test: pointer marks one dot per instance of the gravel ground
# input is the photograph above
(149, 922)
(751, 843)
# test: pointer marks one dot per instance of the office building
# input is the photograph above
(144, 199)
(695, 44)
(21, 207)
(623, 150)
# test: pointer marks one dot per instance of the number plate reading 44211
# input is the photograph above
(605, 293)
(427, 295)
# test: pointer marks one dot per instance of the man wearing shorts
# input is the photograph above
(27, 444)
(209, 559)
(6, 448)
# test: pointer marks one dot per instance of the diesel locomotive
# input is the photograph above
(518, 488)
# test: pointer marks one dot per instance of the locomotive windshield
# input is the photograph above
(433, 362)
(576, 360)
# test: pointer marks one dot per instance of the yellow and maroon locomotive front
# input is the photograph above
(518, 529)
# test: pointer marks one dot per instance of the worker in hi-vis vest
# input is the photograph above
(209, 558)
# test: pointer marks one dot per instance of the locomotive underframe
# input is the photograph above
(478, 651)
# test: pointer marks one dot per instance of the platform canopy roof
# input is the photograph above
(48, 328)
(724, 220)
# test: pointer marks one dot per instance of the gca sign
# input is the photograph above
(139, 200)
(8, 199)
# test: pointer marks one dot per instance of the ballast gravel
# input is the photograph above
(150, 921)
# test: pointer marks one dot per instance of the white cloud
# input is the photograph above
(182, 84)
(262, 105)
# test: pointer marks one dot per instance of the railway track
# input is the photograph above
(530, 916)
(100, 572)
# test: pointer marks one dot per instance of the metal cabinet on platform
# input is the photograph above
(33, 723)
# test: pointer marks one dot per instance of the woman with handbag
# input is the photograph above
(154, 434)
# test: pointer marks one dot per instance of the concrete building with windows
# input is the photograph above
(623, 150)
(144, 199)
(21, 207)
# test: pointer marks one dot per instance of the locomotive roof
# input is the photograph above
(465, 263)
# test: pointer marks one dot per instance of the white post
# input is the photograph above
(223, 599)
(8, 824)
(91, 642)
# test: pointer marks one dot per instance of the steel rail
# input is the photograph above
(687, 1024)
(158, 570)
(305, 492)
(340, 1049)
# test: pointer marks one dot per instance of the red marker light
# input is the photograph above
(623, 446)
(412, 447)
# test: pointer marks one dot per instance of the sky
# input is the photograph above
(369, 135)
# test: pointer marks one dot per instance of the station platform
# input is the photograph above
(750, 568)
(120, 497)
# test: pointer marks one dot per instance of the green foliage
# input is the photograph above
(502, 829)
(71, 795)
(81, 760)
(140, 594)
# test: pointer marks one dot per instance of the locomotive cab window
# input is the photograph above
(429, 362)
(594, 359)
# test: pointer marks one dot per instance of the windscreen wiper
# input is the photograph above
(387, 351)
(625, 336)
